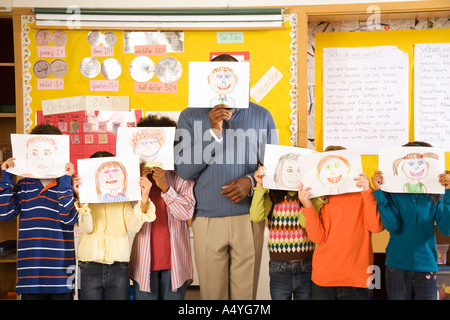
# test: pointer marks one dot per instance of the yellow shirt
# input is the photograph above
(104, 230)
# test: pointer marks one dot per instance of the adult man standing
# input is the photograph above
(220, 149)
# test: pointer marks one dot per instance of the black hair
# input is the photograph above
(153, 120)
(45, 128)
(224, 57)
(417, 144)
(102, 154)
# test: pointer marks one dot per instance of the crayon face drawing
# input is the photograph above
(415, 167)
(333, 171)
(411, 169)
(109, 179)
(283, 167)
(222, 81)
(153, 145)
(111, 182)
(287, 172)
(45, 155)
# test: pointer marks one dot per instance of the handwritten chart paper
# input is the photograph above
(365, 97)
(432, 93)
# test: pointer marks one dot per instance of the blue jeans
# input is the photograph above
(160, 287)
(339, 293)
(409, 285)
(100, 281)
(290, 280)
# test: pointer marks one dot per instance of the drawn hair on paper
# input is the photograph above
(415, 167)
(287, 171)
(333, 171)
(41, 152)
(111, 176)
(222, 80)
(147, 143)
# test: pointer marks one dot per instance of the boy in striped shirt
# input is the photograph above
(46, 253)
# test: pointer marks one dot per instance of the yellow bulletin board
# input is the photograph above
(266, 48)
(404, 40)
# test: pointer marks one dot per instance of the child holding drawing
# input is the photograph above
(104, 248)
(410, 218)
(161, 262)
(46, 219)
(290, 249)
(342, 230)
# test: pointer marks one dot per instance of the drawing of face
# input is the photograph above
(147, 143)
(148, 150)
(40, 156)
(290, 174)
(333, 171)
(111, 178)
(415, 168)
(222, 80)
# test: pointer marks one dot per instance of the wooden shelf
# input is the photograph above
(7, 64)
(7, 115)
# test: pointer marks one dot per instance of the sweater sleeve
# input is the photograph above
(371, 214)
(442, 215)
(314, 225)
(261, 204)
(8, 208)
(389, 213)
(189, 157)
(180, 200)
(67, 212)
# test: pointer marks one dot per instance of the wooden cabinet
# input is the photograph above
(8, 230)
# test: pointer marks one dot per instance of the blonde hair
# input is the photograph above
(110, 164)
(147, 134)
(38, 139)
(413, 155)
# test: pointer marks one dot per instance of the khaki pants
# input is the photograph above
(228, 256)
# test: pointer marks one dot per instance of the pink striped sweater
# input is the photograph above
(180, 203)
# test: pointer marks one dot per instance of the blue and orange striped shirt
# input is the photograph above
(46, 252)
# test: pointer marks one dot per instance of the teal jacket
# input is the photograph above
(410, 220)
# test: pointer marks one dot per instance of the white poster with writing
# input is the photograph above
(365, 97)
(432, 94)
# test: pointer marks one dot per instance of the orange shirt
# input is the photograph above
(343, 234)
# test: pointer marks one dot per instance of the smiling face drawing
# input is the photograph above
(111, 176)
(147, 143)
(222, 80)
(41, 156)
(415, 168)
(333, 171)
(287, 171)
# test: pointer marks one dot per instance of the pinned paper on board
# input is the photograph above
(283, 167)
(265, 84)
(332, 172)
(109, 179)
(411, 169)
(154, 146)
(219, 82)
(39, 156)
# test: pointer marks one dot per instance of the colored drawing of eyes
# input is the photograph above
(48, 152)
(35, 152)
(411, 163)
(420, 162)
(328, 167)
(290, 170)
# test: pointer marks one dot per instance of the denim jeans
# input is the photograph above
(99, 281)
(339, 293)
(409, 285)
(160, 287)
(290, 280)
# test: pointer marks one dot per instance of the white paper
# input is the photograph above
(432, 94)
(411, 169)
(332, 172)
(153, 145)
(219, 82)
(283, 167)
(40, 156)
(109, 179)
(365, 97)
(265, 84)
